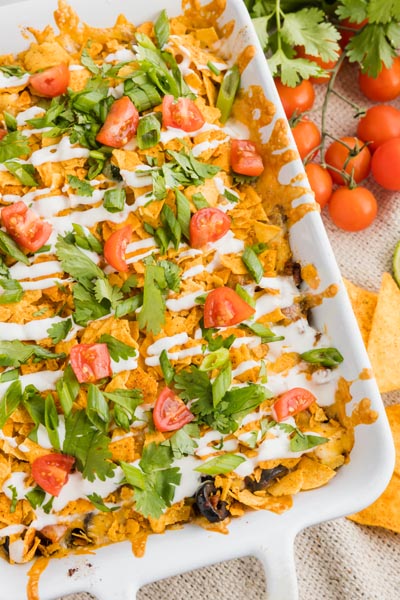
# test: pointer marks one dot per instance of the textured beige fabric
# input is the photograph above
(336, 560)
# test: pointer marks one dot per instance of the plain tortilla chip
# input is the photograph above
(384, 339)
(364, 304)
(385, 512)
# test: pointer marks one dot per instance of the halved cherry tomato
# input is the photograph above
(51, 471)
(3, 133)
(115, 246)
(224, 307)
(379, 124)
(352, 209)
(245, 159)
(208, 225)
(90, 362)
(384, 87)
(296, 99)
(25, 226)
(348, 29)
(338, 154)
(170, 412)
(51, 82)
(120, 124)
(320, 183)
(327, 65)
(307, 137)
(181, 114)
(291, 403)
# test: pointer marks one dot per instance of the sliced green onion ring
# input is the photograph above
(148, 132)
(215, 360)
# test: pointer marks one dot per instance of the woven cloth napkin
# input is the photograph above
(339, 559)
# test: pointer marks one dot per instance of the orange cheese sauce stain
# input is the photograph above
(203, 16)
(34, 573)
(310, 275)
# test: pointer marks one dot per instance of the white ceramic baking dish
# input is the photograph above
(113, 573)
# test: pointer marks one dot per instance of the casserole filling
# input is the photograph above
(158, 363)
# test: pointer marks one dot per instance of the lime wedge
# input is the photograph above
(396, 263)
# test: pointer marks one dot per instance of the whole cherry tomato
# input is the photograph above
(348, 29)
(384, 87)
(320, 183)
(348, 154)
(307, 137)
(327, 65)
(386, 165)
(380, 124)
(352, 209)
(296, 99)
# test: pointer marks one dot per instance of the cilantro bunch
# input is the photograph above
(283, 24)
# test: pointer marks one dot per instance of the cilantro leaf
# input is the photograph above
(10, 248)
(82, 187)
(86, 306)
(36, 497)
(195, 385)
(307, 27)
(14, 353)
(292, 70)
(12, 291)
(14, 498)
(354, 10)
(58, 331)
(97, 409)
(172, 274)
(51, 421)
(12, 70)
(116, 348)
(24, 173)
(125, 404)
(103, 290)
(182, 442)
(10, 401)
(67, 389)
(370, 47)
(152, 314)
(13, 145)
(76, 263)
(155, 457)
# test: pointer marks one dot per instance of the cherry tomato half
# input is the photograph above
(208, 225)
(245, 159)
(224, 307)
(337, 156)
(3, 133)
(181, 114)
(170, 412)
(90, 362)
(115, 246)
(307, 137)
(296, 99)
(380, 124)
(348, 29)
(120, 124)
(327, 65)
(352, 209)
(51, 82)
(386, 165)
(25, 226)
(384, 87)
(320, 183)
(291, 403)
(51, 471)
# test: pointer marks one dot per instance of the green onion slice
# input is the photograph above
(215, 360)
(227, 92)
(114, 200)
(148, 132)
(253, 264)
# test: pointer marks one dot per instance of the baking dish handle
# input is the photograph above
(277, 556)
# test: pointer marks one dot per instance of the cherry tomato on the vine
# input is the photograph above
(307, 137)
(320, 183)
(380, 124)
(352, 209)
(386, 165)
(384, 87)
(337, 156)
(296, 99)
(348, 29)
(327, 65)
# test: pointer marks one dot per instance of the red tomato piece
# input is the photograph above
(3, 133)
(208, 225)
(51, 82)
(170, 412)
(384, 87)
(120, 124)
(115, 246)
(352, 209)
(348, 29)
(90, 362)
(224, 307)
(25, 226)
(337, 156)
(307, 137)
(51, 471)
(386, 165)
(296, 99)
(320, 182)
(245, 159)
(327, 65)
(291, 403)
(379, 124)
(181, 114)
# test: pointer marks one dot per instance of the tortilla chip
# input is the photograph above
(384, 339)
(364, 304)
(384, 512)
(315, 474)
